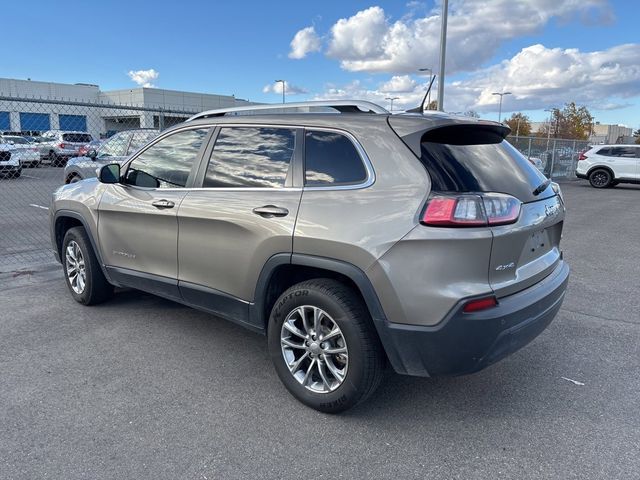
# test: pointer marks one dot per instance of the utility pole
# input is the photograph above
(500, 108)
(283, 88)
(443, 51)
(391, 99)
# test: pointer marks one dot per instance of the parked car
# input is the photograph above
(92, 145)
(608, 165)
(349, 239)
(58, 146)
(29, 154)
(10, 165)
(115, 150)
(537, 162)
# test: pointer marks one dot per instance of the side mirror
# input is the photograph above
(110, 173)
(92, 153)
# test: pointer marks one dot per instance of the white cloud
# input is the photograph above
(398, 84)
(304, 42)
(276, 87)
(144, 78)
(538, 77)
(369, 41)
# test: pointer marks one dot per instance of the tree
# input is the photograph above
(637, 135)
(472, 114)
(572, 122)
(519, 124)
(433, 105)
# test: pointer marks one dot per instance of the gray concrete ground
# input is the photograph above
(145, 388)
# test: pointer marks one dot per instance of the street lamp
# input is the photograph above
(430, 76)
(283, 88)
(443, 50)
(500, 108)
(391, 99)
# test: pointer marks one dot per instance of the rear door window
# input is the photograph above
(251, 157)
(116, 146)
(331, 159)
(472, 161)
(628, 152)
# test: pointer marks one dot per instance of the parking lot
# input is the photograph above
(23, 217)
(142, 387)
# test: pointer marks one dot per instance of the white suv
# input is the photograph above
(608, 165)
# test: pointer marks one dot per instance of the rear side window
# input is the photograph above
(605, 151)
(629, 152)
(77, 137)
(331, 159)
(250, 157)
(167, 163)
(488, 164)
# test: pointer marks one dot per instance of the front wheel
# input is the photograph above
(600, 178)
(323, 345)
(82, 272)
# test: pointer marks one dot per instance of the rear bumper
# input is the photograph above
(467, 342)
(581, 175)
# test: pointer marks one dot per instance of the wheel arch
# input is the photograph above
(65, 220)
(602, 167)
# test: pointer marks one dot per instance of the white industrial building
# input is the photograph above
(601, 134)
(33, 106)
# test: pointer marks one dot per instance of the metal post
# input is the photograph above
(529, 150)
(443, 49)
(553, 158)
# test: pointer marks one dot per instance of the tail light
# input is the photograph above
(471, 210)
(582, 156)
(62, 145)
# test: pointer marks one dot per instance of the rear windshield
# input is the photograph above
(482, 167)
(76, 137)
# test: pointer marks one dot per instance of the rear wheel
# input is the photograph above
(82, 272)
(323, 345)
(53, 159)
(74, 178)
(16, 173)
(600, 178)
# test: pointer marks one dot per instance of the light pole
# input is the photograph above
(443, 49)
(430, 76)
(551, 111)
(283, 88)
(500, 108)
(391, 99)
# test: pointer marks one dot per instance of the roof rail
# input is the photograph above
(342, 106)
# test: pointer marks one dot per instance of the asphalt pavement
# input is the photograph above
(24, 227)
(142, 387)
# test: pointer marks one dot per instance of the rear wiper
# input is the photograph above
(542, 187)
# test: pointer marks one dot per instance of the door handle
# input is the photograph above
(163, 204)
(269, 211)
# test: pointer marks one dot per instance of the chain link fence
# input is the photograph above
(41, 141)
(558, 156)
(45, 143)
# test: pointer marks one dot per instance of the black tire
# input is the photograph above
(366, 358)
(600, 178)
(17, 173)
(74, 178)
(96, 289)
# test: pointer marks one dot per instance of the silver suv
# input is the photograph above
(351, 239)
(58, 146)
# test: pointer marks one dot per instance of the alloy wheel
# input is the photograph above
(76, 271)
(314, 349)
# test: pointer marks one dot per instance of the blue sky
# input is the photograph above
(545, 51)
